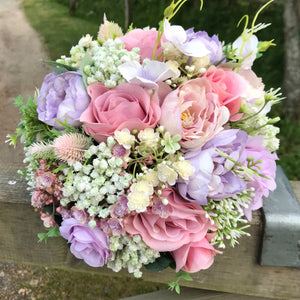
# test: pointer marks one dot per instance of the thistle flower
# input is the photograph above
(109, 30)
(71, 146)
(40, 150)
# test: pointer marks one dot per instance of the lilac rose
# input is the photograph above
(62, 97)
(213, 177)
(212, 44)
(89, 244)
(254, 148)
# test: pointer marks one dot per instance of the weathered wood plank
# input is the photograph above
(192, 294)
(236, 271)
(296, 188)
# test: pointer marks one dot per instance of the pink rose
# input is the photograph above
(255, 87)
(230, 87)
(197, 114)
(125, 106)
(143, 39)
(184, 228)
(195, 256)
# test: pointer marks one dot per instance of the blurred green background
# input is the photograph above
(60, 31)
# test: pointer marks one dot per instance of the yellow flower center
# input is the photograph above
(187, 119)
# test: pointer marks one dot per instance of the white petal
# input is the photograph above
(130, 69)
(174, 33)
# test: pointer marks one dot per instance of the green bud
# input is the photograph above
(274, 120)
(264, 46)
(169, 10)
(134, 131)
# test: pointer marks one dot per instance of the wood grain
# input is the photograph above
(235, 271)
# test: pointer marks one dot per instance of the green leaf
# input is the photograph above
(59, 68)
(42, 237)
(184, 275)
(12, 139)
(59, 168)
(51, 232)
(177, 288)
(18, 101)
(87, 60)
(160, 263)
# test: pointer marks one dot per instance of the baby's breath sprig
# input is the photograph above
(246, 172)
(228, 215)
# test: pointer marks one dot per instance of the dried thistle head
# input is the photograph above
(109, 30)
(71, 146)
(40, 150)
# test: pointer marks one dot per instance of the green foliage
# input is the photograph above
(59, 30)
(86, 61)
(51, 232)
(30, 126)
(164, 261)
(59, 68)
(289, 150)
(174, 285)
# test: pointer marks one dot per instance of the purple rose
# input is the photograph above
(262, 186)
(62, 97)
(212, 44)
(213, 177)
(91, 245)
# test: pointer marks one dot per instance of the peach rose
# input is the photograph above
(125, 106)
(230, 87)
(196, 113)
(143, 39)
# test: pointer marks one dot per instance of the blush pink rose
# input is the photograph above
(185, 222)
(197, 113)
(195, 256)
(183, 232)
(230, 87)
(125, 106)
(143, 39)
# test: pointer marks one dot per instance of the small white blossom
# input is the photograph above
(151, 177)
(124, 138)
(184, 169)
(138, 201)
(142, 186)
(166, 174)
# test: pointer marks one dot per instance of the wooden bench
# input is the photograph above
(236, 271)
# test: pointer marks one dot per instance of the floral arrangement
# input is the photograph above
(151, 148)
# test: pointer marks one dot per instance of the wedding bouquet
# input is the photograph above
(151, 148)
